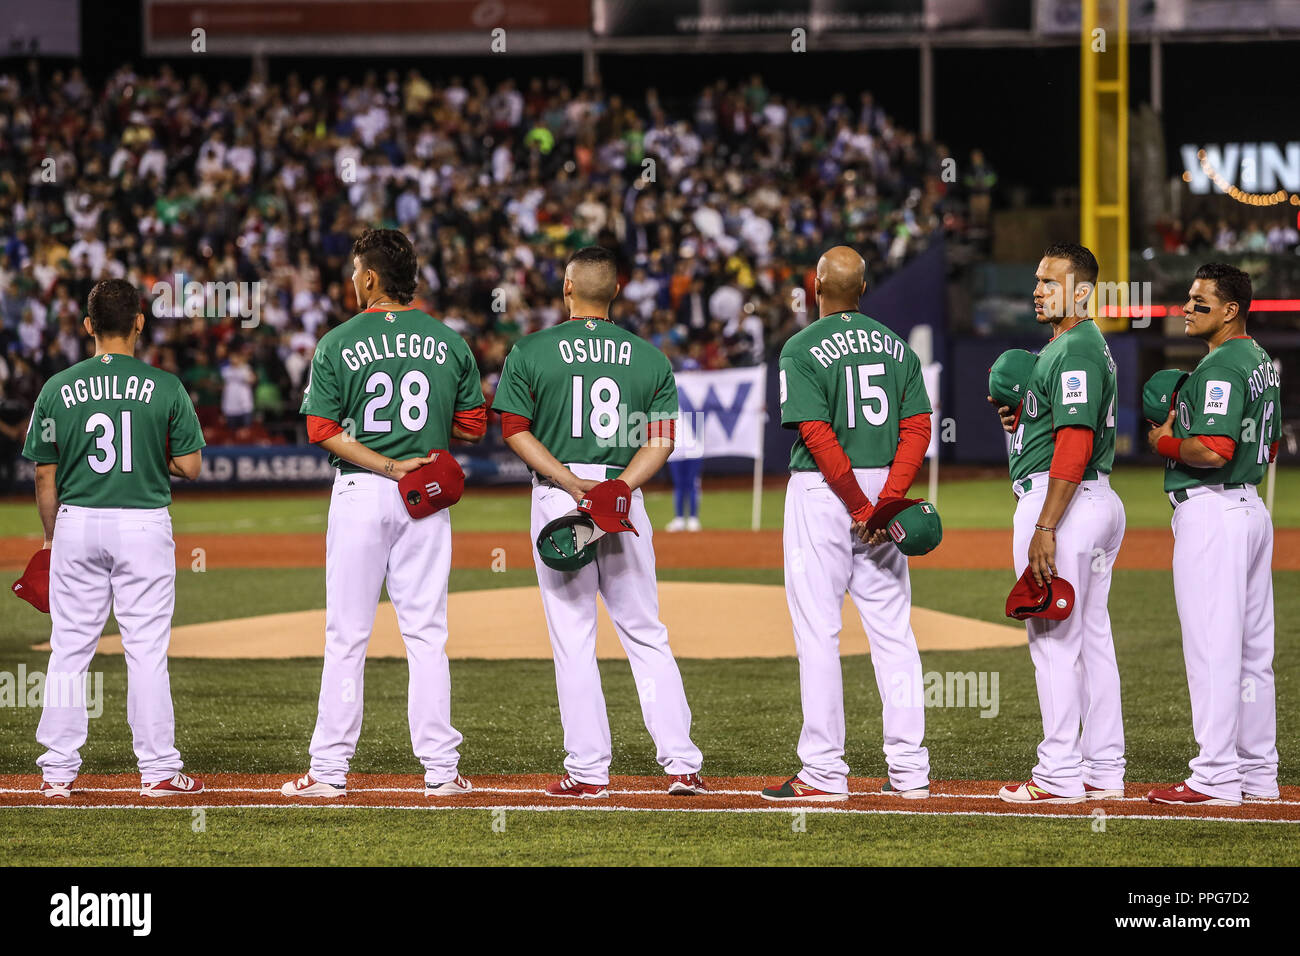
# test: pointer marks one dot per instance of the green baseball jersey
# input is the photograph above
(852, 372)
(590, 388)
(1072, 384)
(1235, 392)
(393, 380)
(109, 423)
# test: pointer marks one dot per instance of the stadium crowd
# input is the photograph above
(718, 206)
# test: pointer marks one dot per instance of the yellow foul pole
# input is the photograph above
(1103, 148)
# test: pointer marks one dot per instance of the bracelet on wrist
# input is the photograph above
(1043, 527)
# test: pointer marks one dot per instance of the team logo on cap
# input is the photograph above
(896, 531)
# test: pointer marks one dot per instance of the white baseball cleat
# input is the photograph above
(693, 524)
(677, 524)
(916, 793)
(309, 786)
(176, 786)
(448, 788)
(1102, 793)
(52, 790)
(1030, 792)
(1260, 797)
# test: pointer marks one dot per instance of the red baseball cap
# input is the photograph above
(1054, 601)
(34, 586)
(608, 505)
(432, 487)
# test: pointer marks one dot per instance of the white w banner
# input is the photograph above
(723, 413)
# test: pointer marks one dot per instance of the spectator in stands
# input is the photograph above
(237, 380)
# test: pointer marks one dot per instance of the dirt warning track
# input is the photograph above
(1144, 548)
(636, 794)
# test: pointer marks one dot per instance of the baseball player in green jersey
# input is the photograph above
(583, 403)
(1218, 440)
(105, 435)
(855, 392)
(1069, 523)
(387, 390)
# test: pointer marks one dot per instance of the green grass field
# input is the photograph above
(257, 716)
(976, 503)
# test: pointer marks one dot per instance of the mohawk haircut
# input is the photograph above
(594, 272)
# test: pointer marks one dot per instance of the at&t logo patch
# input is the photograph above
(1216, 397)
(1074, 387)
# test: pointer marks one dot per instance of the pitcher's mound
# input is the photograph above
(704, 620)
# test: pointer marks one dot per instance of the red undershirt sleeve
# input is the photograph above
(1221, 445)
(512, 424)
(472, 421)
(663, 428)
(319, 429)
(835, 467)
(913, 440)
(1073, 450)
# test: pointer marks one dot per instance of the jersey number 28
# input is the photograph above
(414, 410)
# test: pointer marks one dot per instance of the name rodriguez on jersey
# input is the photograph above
(407, 345)
(837, 345)
(99, 388)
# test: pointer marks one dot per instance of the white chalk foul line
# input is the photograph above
(587, 808)
(650, 793)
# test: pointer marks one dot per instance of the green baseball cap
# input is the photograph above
(1158, 394)
(912, 523)
(569, 542)
(1009, 376)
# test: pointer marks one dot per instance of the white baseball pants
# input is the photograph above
(371, 537)
(623, 574)
(1223, 583)
(1074, 659)
(823, 562)
(124, 556)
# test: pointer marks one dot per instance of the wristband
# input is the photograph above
(1043, 527)
(1170, 447)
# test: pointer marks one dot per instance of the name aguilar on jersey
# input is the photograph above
(407, 345)
(100, 388)
(596, 350)
(855, 342)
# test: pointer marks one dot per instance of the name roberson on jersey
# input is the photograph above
(851, 371)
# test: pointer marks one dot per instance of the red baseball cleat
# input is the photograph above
(687, 785)
(52, 790)
(176, 786)
(1030, 792)
(1181, 795)
(566, 786)
(796, 789)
